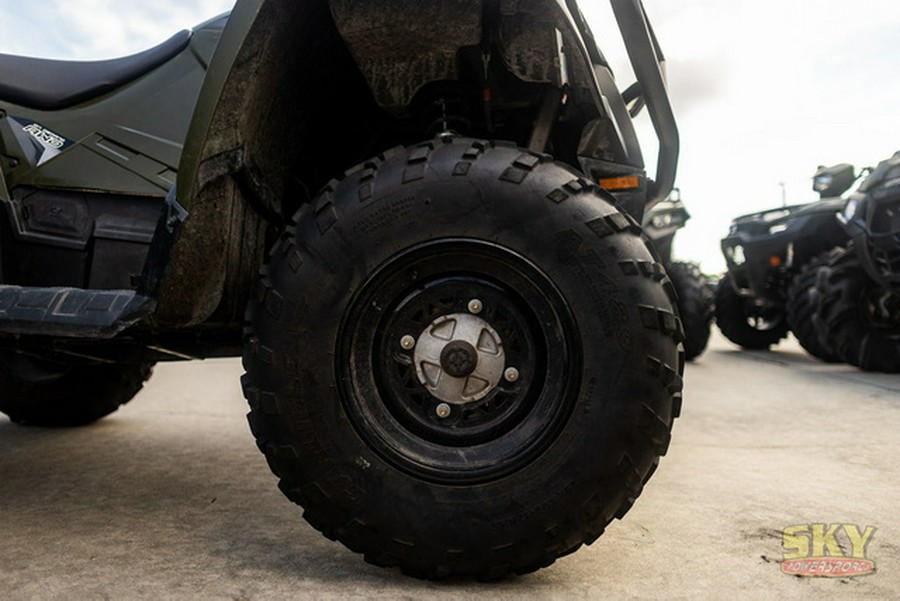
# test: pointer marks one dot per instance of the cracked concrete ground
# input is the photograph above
(169, 499)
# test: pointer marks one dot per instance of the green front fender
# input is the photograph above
(233, 40)
(282, 93)
(243, 138)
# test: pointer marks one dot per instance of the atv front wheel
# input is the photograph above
(695, 305)
(39, 392)
(743, 322)
(463, 361)
(860, 316)
(801, 309)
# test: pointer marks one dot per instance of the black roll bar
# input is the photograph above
(648, 63)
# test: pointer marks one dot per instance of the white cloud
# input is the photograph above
(98, 29)
(766, 90)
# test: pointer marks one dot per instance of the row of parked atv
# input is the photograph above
(829, 271)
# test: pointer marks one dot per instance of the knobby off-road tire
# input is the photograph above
(801, 308)
(36, 392)
(744, 324)
(367, 319)
(861, 318)
(695, 305)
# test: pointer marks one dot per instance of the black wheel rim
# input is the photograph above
(503, 426)
(763, 319)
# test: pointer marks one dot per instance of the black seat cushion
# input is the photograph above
(52, 84)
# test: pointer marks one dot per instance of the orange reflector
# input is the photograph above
(621, 183)
(774, 260)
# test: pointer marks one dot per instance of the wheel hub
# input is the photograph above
(459, 358)
(451, 375)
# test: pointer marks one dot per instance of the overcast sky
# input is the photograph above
(764, 90)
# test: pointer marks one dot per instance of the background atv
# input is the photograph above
(858, 291)
(462, 357)
(772, 260)
(695, 293)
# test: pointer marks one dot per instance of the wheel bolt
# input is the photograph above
(475, 306)
(511, 374)
(443, 410)
(407, 342)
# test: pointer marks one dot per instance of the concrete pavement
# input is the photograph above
(169, 499)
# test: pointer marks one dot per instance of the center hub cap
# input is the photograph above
(459, 358)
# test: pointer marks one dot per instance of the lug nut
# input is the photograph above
(407, 342)
(443, 410)
(475, 306)
(511, 374)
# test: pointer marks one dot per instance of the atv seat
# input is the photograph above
(53, 84)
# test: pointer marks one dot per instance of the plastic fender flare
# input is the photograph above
(233, 130)
(233, 40)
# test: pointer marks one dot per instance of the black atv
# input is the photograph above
(418, 222)
(695, 293)
(772, 258)
(858, 291)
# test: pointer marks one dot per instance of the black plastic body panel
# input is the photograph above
(78, 239)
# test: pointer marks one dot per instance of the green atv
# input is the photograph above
(462, 357)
